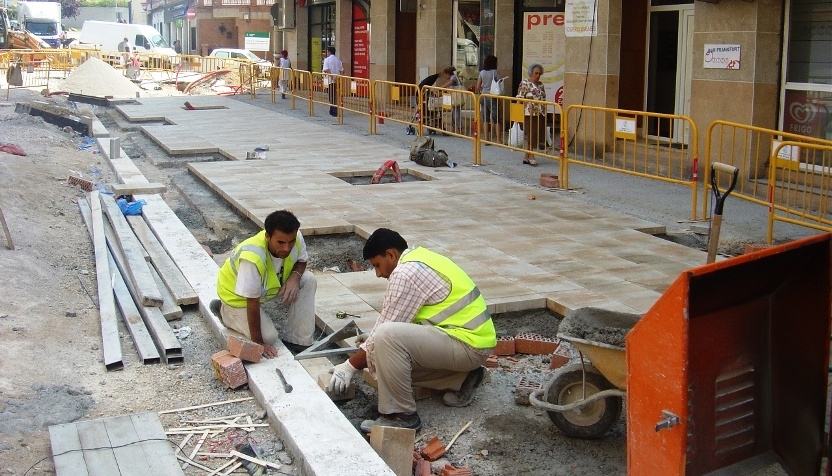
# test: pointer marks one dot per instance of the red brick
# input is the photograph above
(549, 180)
(753, 247)
(244, 349)
(505, 346)
(433, 450)
(560, 357)
(492, 362)
(524, 388)
(85, 184)
(449, 470)
(534, 344)
(420, 466)
(229, 369)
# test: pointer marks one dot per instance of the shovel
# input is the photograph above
(719, 202)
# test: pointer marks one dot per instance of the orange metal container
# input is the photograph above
(738, 350)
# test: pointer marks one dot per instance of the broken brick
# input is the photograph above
(449, 470)
(534, 344)
(505, 346)
(420, 466)
(244, 349)
(229, 369)
(549, 180)
(560, 357)
(492, 362)
(524, 388)
(433, 450)
(84, 184)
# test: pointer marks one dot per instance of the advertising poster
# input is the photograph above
(581, 18)
(257, 41)
(543, 43)
(360, 44)
(808, 113)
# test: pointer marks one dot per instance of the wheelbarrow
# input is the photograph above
(584, 399)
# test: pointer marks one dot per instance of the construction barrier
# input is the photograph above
(27, 74)
(657, 146)
(768, 177)
(800, 183)
(503, 122)
(451, 112)
(283, 79)
(397, 103)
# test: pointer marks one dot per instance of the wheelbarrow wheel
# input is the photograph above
(592, 420)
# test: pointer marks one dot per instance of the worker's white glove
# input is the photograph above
(341, 377)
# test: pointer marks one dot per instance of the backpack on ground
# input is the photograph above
(419, 144)
(434, 158)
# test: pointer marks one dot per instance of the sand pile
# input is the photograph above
(97, 78)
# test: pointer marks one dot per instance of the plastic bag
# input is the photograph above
(515, 135)
(130, 208)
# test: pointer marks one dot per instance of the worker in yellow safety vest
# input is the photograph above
(434, 331)
(270, 264)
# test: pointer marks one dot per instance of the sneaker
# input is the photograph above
(465, 395)
(214, 306)
(396, 420)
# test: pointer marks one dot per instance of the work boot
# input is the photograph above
(396, 420)
(333, 111)
(214, 306)
(465, 395)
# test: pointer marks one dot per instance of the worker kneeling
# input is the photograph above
(270, 264)
(434, 331)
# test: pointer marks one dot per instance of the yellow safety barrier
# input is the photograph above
(657, 146)
(283, 81)
(27, 74)
(503, 122)
(324, 89)
(451, 112)
(800, 183)
(355, 95)
(750, 149)
(398, 103)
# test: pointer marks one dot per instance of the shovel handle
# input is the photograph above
(720, 197)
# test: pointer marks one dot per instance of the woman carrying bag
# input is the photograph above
(450, 80)
(493, 132)
(534, 122)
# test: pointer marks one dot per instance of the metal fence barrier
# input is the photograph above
(398, 103)
(283, 81)
(657, 146)
(27, 74)
(503, 122)
(451, 112)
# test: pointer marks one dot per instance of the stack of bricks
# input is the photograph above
(244, 349)
(433, 450)
(505, 346)
(449, 470)
(524, 388)
(229, 369)
(534, 344)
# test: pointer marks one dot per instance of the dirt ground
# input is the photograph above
(51, 367)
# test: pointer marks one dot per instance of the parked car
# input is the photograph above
(239, 54)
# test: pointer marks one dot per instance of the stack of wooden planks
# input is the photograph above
(134, 271)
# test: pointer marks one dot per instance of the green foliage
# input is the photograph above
(102, 3)
(70, 8)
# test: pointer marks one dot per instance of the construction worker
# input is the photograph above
(270, 264)
(434, 331)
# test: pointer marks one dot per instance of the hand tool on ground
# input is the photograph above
(344, 315)
(349, 330)
(286, 387)
(719, 202)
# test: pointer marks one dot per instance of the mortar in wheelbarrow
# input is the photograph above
(599, 335)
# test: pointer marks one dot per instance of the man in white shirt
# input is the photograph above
(270, 264)
(333, 66)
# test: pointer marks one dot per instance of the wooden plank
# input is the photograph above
(66, 450)
(169, 308)
(206, 405)
(395, 446)
(261, 462)
(111, 345)
(197, 446)
(96, 444)
(8, 234)
(155, 445)
(129, 313)
(137, 188)
(127, 447)
(174, 279)
(137, 269)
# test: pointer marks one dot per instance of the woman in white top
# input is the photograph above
(489, 107)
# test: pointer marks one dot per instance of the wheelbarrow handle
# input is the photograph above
(720, 197)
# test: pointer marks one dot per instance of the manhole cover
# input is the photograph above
(364, 178)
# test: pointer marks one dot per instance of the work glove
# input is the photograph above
(341, 377)
(362, 338)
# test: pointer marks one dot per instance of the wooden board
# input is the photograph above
(137, 269)
(111, 344)
(174, 280)
(134, 188)
(395, 446)
(8, 234)
(169, 308)
(129, 313)
(127, 445)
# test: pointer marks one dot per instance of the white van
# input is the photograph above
(107, 35)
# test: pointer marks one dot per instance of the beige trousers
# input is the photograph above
(300, 324)
(410, 355)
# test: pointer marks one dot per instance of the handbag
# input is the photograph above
(497, 85)
(515, 135)
(457, 99)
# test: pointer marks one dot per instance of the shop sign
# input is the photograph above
(581, 18)
(257, 41)
(722, 57)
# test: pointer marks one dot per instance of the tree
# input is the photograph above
(70, 8)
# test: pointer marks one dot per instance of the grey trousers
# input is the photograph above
(300, 325)
(410, 355)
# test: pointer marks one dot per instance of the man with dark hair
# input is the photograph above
(332, 67)
(434, 331)
(270, 264)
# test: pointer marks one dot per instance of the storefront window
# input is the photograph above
(468, 41)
